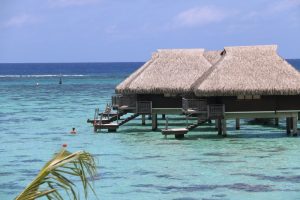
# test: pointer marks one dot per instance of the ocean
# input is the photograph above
(36, 115)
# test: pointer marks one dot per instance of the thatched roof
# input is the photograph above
(169, 72)
(212, 56)
(124, 84)
(252, 70)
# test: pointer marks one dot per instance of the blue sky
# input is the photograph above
(130, 30)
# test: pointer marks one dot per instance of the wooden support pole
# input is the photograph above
(149, 117)
(219, 126)
(224, 128)
(288, 126)
(143, 119)
(237, 124)
(291, 125)
(199, 120)
(154, 122)
(276, 121)
(209, 121)
(295, 128)
(216, 124)
(163, 116)
(167, 123)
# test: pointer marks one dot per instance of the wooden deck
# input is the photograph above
(111, 127)
(178, 132)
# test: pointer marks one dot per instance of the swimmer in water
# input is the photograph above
(73, 131)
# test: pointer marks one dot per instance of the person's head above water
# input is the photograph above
(73, 131)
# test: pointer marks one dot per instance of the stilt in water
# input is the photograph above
(295, 128)
(288, 126)
(143, 119)
(219, 126)
(154, 122)
(276, 121)
(167, 125)
(224, 128)
(199, 120)
(163, 116)
(216, 124)
(149, 117)
(237, 124)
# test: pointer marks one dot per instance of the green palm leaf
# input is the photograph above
(54, 178)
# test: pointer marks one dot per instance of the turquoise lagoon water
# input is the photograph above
(256, 162)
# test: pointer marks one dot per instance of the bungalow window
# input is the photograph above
(248, 97)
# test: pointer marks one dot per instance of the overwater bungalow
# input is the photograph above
(160, 85)
(252, 82)
(238, 82)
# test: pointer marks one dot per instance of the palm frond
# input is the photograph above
(54, 178)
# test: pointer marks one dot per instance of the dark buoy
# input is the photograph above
(64, 145)
(60, 80)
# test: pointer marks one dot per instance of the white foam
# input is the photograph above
(44, 75)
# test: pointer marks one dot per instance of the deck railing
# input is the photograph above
(115, 101)
(144, 107)
(123, 100)
(216, 110)
(199, 105)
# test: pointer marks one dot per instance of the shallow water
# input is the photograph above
(256, 162)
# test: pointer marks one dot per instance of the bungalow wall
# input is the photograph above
(232, 104)
(160, 101)
(265, 103)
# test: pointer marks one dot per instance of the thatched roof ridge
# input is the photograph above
(212, 56)
(173, 71)
(236, 50)
(249, 70)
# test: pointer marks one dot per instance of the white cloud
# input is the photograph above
(276, 8)
(200, 16)
(21, 20)
(284, 5)
(67, 3)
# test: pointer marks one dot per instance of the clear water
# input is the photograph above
(256, 162)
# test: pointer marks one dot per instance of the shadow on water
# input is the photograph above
(220, 137)
(136, 130)
(264, 123)
(212, 134)
(208, 131)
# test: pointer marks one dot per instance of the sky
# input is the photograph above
(130, 30)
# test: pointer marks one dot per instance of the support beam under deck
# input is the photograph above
(219, 126)
(295, 128)
(237, 124)
(224, 128)
(154, 122)
(276, 121)
(143, 119)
